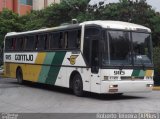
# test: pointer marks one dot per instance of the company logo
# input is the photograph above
(119, 72)
(72, 59)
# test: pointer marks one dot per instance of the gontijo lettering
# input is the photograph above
(23, 57)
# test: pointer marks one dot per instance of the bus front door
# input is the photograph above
(95, 73)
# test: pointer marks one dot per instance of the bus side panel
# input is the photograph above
(73, 62)
(10, 70)
(30, 67)
(86, 78)
(53, 68)
(63, 77)
(30, 72)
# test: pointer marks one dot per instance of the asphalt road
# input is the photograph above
(37, 98)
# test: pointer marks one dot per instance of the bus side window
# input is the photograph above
(66, 40)
(74, 39)
(30, 42)
(41, 42)
(13, 44)
(19, 43)
(25, 42)
(54, 40)
(36, 43)
(8, 44)
(46, 42)
(62, 40)
(91, 33)
(78, 41)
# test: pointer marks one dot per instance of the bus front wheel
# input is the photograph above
(19, 76)
(78, 85)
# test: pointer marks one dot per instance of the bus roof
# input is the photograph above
(118, 25)
(104, 24)
(44, 30)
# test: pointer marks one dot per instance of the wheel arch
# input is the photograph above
(17, 69)
(71, 78)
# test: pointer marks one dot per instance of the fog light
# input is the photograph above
(149, 85)
(110, 86)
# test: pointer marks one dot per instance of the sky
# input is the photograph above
(154, 3)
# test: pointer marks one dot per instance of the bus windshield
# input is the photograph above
(142, 48)
(121, 50)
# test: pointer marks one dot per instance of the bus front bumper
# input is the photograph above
(126, 86)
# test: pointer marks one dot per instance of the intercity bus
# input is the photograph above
(104, 57)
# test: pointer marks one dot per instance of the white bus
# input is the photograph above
(104, 57)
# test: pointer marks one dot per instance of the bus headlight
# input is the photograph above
(113, 86)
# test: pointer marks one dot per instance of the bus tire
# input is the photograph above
(19, 76)
(77, 85)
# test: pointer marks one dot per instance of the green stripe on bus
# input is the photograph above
(54, 70)
(142, 73)
(135, 72)
(45, 69)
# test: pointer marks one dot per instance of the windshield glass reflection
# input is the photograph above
(141, 48)
(121, 50)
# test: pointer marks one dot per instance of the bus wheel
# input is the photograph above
(77, 85)
(19, 76)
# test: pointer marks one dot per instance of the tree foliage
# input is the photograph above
(156, 57)
(9, 22)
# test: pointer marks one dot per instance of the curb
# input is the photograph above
(156, 88)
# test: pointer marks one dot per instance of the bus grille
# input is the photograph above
(131, 78)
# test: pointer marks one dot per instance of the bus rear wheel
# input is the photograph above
(19, 76)
(78, 85)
